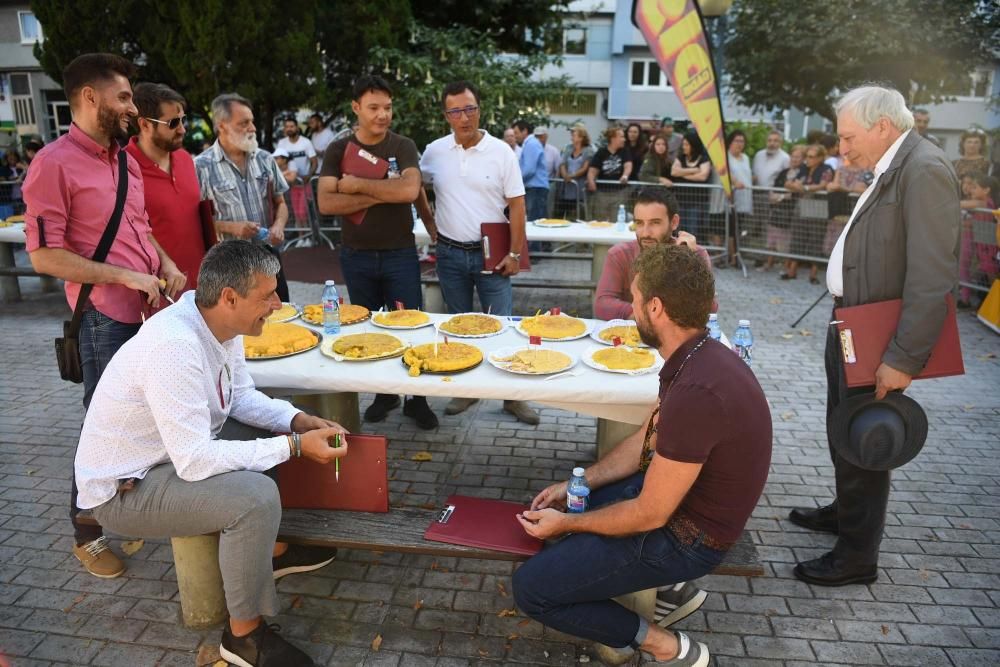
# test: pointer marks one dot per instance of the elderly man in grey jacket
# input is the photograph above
(900, 243)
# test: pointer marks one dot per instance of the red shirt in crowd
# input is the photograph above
(715, 413)
(172, 205)
(613, 299)
(69, 195)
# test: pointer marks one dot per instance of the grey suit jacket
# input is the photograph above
(904, 244)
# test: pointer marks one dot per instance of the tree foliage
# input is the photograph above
(783, 53)
(509, 87)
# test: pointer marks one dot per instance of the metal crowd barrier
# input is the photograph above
(978, 264)
(10, 199)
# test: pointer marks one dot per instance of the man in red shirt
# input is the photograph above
(168, 176)
(656, 221)
(673, 499)
(69, 195)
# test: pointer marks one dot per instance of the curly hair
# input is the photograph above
(681, 281)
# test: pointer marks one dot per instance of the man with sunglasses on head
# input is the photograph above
(475, 177)
(70, 193)
(168, 176)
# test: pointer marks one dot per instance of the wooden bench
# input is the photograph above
(196, 558)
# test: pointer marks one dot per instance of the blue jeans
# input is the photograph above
(536, 203)
(569, 585)
(692, 220)
(377, 278)
(100, 338)
(460, 271)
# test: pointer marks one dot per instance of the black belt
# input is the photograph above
(461, 245)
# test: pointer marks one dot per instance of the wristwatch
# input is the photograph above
(515, 255)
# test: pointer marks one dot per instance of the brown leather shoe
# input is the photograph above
(521, 410)
(99, 559)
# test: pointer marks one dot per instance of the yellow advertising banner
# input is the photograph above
(676, 36)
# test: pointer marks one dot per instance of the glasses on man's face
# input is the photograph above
(172, 124)
(811, 156)
(455, 114)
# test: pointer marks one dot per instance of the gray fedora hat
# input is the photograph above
(878, 435)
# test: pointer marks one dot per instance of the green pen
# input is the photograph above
(336, 443)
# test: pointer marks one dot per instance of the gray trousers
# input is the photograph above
(242, 506)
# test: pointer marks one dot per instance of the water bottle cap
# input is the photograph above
(744, 323)
(578, 472)
(330, 283)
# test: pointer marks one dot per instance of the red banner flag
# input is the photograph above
(675, 33)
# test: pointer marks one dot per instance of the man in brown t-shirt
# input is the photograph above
(378, 255)
(678, 493)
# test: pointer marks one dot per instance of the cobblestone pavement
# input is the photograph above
(935, 603)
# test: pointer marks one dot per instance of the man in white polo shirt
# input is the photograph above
(475, 177)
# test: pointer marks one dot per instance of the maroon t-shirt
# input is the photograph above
(715, 414)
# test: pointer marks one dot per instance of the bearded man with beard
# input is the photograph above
(168, 176)
(243, 181)
(70, 194)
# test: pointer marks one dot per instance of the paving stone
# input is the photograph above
(73, 650)
(914, 656)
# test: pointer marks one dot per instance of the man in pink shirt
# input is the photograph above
(69, 194)
(656, 221)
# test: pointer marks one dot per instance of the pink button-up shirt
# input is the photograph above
(69, 196)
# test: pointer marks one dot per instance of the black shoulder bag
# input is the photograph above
(68, 347)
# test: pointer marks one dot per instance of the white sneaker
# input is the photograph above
(690, 654)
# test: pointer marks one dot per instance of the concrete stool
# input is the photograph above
(196, 562)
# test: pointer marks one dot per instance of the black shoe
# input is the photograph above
(377, 411)
(417, 408)
(298, 558)
(832, 570)
(823, 519)
(263, 647)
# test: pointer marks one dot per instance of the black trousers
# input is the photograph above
(862, 495)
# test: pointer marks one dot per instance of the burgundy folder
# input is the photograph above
(484, 523)
(363, 485)
(496, 246)
(866, 331)
(206, 216)
(359, 162)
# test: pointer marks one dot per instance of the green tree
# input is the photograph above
(783, 53)
(509, 86)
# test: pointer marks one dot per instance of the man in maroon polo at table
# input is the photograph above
(168, 176)
(70, 194)
(667, 502)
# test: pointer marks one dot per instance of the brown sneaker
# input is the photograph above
(521, 410)
(99, 559)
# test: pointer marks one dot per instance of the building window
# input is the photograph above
(580, 104)
(647, 75)
(31, 29)
(569, 42)
(975, 85)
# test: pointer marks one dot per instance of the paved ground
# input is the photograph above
(936, 601)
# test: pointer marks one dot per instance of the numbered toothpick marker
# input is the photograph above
(616, 341)
(399, 305)
(534, 340)
(555, 311)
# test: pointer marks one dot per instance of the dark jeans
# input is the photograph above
(460, 271)
(693, 220)
(377, 278)
(862, 495)
(100, 338)
(536, 203)
(569, 585)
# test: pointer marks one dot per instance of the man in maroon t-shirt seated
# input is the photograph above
(677, 494)
(656, 220)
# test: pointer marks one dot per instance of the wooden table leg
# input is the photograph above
(340, 407)
(10, 290)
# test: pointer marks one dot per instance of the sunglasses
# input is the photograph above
(172, 124)
(457, 113)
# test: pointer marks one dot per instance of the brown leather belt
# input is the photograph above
(687, 532)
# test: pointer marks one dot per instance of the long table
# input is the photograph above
(577, 232)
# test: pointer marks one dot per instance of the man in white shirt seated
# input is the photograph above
(151, 462)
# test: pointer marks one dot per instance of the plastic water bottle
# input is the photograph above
(620, 226)
(578, 492)
(713, 327)
(743, 342)
(331, 309)
(394, 169)
(262, 234)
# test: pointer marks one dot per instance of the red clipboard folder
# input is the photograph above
(363, 485)
(866, 331)
(483, 523)
(206, 217)
(496, 246)
(359, 162)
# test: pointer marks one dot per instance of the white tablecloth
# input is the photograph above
(12, 234)
(612, 396)
(575, 233)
